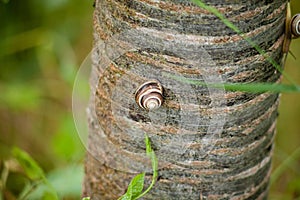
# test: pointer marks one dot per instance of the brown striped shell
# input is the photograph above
(295, 26)
(149, 95)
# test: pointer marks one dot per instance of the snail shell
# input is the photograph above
(295, 25)
(149, 95)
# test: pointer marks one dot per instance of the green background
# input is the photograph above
(42, 45)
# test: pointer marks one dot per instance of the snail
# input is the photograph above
(292, 28)
(295, 26)
(149, 95)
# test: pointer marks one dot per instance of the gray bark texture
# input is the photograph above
(210, 143)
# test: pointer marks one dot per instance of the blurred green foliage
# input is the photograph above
(285, 184)
(42, 46)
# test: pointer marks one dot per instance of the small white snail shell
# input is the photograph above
(295, 25)
(149, 95)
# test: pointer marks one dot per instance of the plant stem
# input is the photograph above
(154, 176)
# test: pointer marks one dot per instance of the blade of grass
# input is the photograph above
(32, 169)
(30, 166)
(284, 165)
(241, 34)
(243, 87)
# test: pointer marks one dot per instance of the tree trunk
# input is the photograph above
(210, 143)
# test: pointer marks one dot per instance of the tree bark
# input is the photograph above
(210, 143)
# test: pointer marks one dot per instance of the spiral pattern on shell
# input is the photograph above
(295, 25)
(149, 95)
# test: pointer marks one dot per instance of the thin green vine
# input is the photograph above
(135, 187)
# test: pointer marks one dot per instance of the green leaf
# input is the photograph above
(151, 154)
(137, 184)
(135, 187)
(126, 196)
(86, 198)
(30, 166)
(148, 145)
(154, 164)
